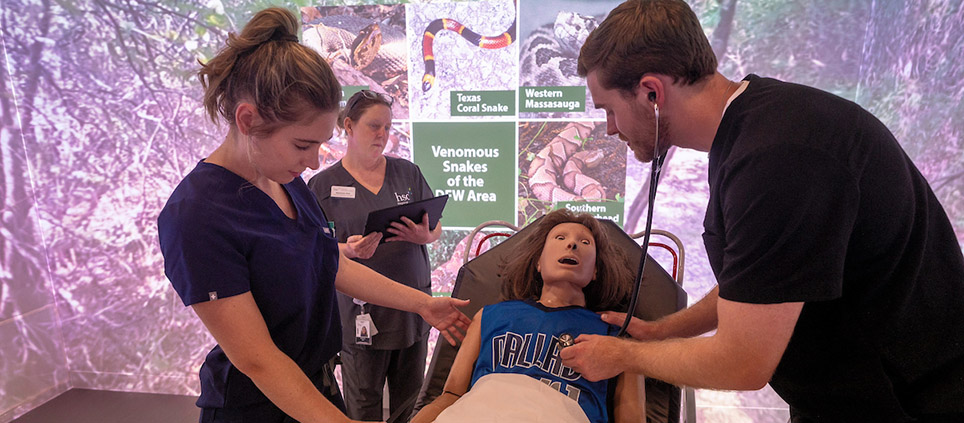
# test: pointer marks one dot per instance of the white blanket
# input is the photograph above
(509, 398)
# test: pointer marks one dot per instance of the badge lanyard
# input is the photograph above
(364, 325)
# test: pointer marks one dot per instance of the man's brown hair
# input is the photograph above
(647, 36)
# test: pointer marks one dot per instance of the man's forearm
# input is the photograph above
(698, 362)
(682, 357)
(743, 354)
(691, 321)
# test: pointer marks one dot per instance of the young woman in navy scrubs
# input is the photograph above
(247, 246)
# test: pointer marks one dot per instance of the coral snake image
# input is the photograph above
(499, 41)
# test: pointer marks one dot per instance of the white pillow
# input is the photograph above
(509, 398)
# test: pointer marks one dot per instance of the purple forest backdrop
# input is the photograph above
(101, 117)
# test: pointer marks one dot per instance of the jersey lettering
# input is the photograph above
(524, 360)
(511, 350)
(571, 391)
(517, 338)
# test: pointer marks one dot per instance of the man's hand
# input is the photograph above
(408, 230)
(362, 247)
(638, 328)
(443, 314)
(596, 357)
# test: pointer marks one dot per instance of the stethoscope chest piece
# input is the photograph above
(566, 340)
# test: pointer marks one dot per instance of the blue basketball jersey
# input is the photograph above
(523, 337)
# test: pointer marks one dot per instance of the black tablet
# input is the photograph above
(381, 220)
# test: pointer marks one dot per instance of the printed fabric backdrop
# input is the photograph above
(101, 117)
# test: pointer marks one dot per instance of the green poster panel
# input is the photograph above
(610, 210)
(472, 162)
(483, 103)
(552, 99)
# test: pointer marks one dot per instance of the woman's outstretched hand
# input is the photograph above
(443, 314)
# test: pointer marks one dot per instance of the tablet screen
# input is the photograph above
(381, 220)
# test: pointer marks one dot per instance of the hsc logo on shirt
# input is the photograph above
(404, 198)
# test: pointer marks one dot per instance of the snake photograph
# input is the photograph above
(563, 161)
(365, 46)
(428, 40)
(550, 41)
(467, 46)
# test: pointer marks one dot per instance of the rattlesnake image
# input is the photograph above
(549, 57)
(550, 52)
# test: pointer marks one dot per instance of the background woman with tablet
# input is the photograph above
(365, 180)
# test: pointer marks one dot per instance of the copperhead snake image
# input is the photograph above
(572, 161)
(556, 173)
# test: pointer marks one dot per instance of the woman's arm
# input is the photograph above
(357, 281)
(238, 327)
(629, 402)
(457, 383)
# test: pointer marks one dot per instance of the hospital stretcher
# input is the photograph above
(660, 294)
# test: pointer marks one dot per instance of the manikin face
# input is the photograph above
(632, 118)
(286, 153)
(369, 135)
(569, 255)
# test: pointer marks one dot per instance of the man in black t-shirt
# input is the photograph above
(840, 278)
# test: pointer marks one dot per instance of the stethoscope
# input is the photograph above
(654, 171)
(567, 340)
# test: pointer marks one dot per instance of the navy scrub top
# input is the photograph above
(221, 236)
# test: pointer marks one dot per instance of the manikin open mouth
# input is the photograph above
(568, 260)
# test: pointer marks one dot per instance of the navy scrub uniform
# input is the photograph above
(523, 337)
(398, 350)
(221, 236)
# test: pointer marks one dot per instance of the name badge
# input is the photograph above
(364, 329)
(342, 192)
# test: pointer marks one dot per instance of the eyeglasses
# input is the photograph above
(371, 95)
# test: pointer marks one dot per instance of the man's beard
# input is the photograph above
(643, 148)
